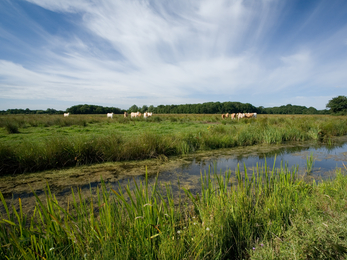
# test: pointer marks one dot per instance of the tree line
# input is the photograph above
(337, 105)
(49, 111)
(227, 107)
(93, 109)
(78, 109)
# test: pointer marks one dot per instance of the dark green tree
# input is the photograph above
(133, 108)
(338, 104)
(151, 108)
(144, 109)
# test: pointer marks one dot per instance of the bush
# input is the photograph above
(12, 128)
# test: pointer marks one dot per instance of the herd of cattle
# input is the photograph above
(239, 115)
(138, 114)
(132, 114)
(148, 114)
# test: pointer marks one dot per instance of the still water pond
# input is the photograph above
(178, 172)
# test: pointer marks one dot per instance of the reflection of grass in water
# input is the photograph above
(264, 209)
(309, 163)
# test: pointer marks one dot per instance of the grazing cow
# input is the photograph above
(133, 114)
(232, 116)
(226, 115)
(240, 115)
(251, 115)
(66, 114)
(125, 114)
(223, 116)
(248, 115)
(110, 115)
(147, 114)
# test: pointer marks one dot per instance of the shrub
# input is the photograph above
(12, 128)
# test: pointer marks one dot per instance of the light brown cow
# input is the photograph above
(240, 115)
(223, 116)
(226, 115)
(250, 115)
(135, 114)
(125, 114)
(232, 116)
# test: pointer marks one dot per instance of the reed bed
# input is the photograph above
(46, 142)
(240, 215)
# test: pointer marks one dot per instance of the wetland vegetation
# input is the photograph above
(31, 143)
(267, 213)
(261, 214)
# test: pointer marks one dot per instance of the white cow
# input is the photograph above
(147, 114)
(66, 114)
(135, 114)
(110, 115)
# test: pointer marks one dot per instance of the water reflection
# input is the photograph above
(187, 173)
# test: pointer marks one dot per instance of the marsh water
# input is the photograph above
(183, 171)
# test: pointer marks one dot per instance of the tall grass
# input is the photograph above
(317, 231)
(25, 121)
(232, 214)
(135, 139)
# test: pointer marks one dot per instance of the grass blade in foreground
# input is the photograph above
(225, 221)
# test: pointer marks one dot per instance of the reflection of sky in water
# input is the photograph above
(326, 159)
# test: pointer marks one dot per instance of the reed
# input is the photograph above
(234, 212)
(317, 229)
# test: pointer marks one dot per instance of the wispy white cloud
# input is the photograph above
(162, 52)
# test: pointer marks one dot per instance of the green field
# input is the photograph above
(31, 143)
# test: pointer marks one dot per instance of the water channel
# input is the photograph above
(183, 171)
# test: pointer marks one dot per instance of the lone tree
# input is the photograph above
(338, 104)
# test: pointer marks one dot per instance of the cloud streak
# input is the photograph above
(140, 52)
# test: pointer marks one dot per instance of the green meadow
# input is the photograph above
(31, 143)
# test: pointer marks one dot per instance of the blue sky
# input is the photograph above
(59, 53)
